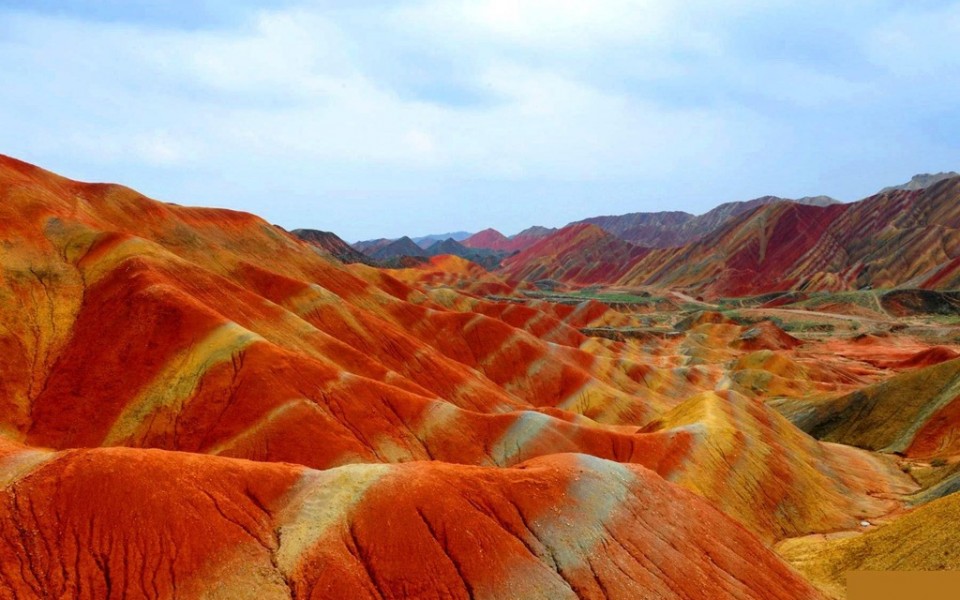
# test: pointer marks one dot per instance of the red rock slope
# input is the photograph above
(492, 239)
(579, 254)
(150, 524)
(488, 238)
(674, 228)
(149, 352)
(894, 239)
(898, 238)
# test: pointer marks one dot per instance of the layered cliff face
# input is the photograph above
(899, 238)
(196, 403)
(578, 254)
(674, 228)
(141, 523)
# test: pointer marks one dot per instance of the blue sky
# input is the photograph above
(374, 118)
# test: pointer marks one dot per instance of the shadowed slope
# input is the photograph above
(914, 413)
(740, 447)
(333, 245)
(923, 540)
(396, 249)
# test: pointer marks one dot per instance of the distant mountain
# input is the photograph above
(368, 247)
(816, 200)
(427, 240)
(405, 252)
(448, 246)
(489, 259)
(528, 237)
(676, 228)
(494, 240)
(581, 253)
(654, 230)
(488, 238)
(397, 248)
(702, 225)
(921, 181)
(333, 245)
(897, 238)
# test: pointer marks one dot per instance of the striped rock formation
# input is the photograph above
(922, 540)
(898, 238)
(579, 254)
(914, 413)
(145, 523)
(195, 403)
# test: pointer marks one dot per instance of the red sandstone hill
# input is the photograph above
(579, 254)
(529, 236)
(655, 230)
(491, 239)
(134, 523)
(893, 239)
(195, 403)
(897, 238)
(676, 228)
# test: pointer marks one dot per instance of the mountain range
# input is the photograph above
(921, 181)
(655, 230)
(428, 240)
(741, 247)
(669, 229)
(893, 239)
(196, 403)
(333, 245)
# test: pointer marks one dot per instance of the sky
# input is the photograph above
(379, 119)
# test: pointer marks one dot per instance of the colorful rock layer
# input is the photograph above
(194, 403)
(894, 239)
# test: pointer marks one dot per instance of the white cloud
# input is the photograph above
(551, 22)
(918, 44)
(634, 93)
(561, 26)
(421, 143)
(296, 53)
(164, 149)
(285, 88)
